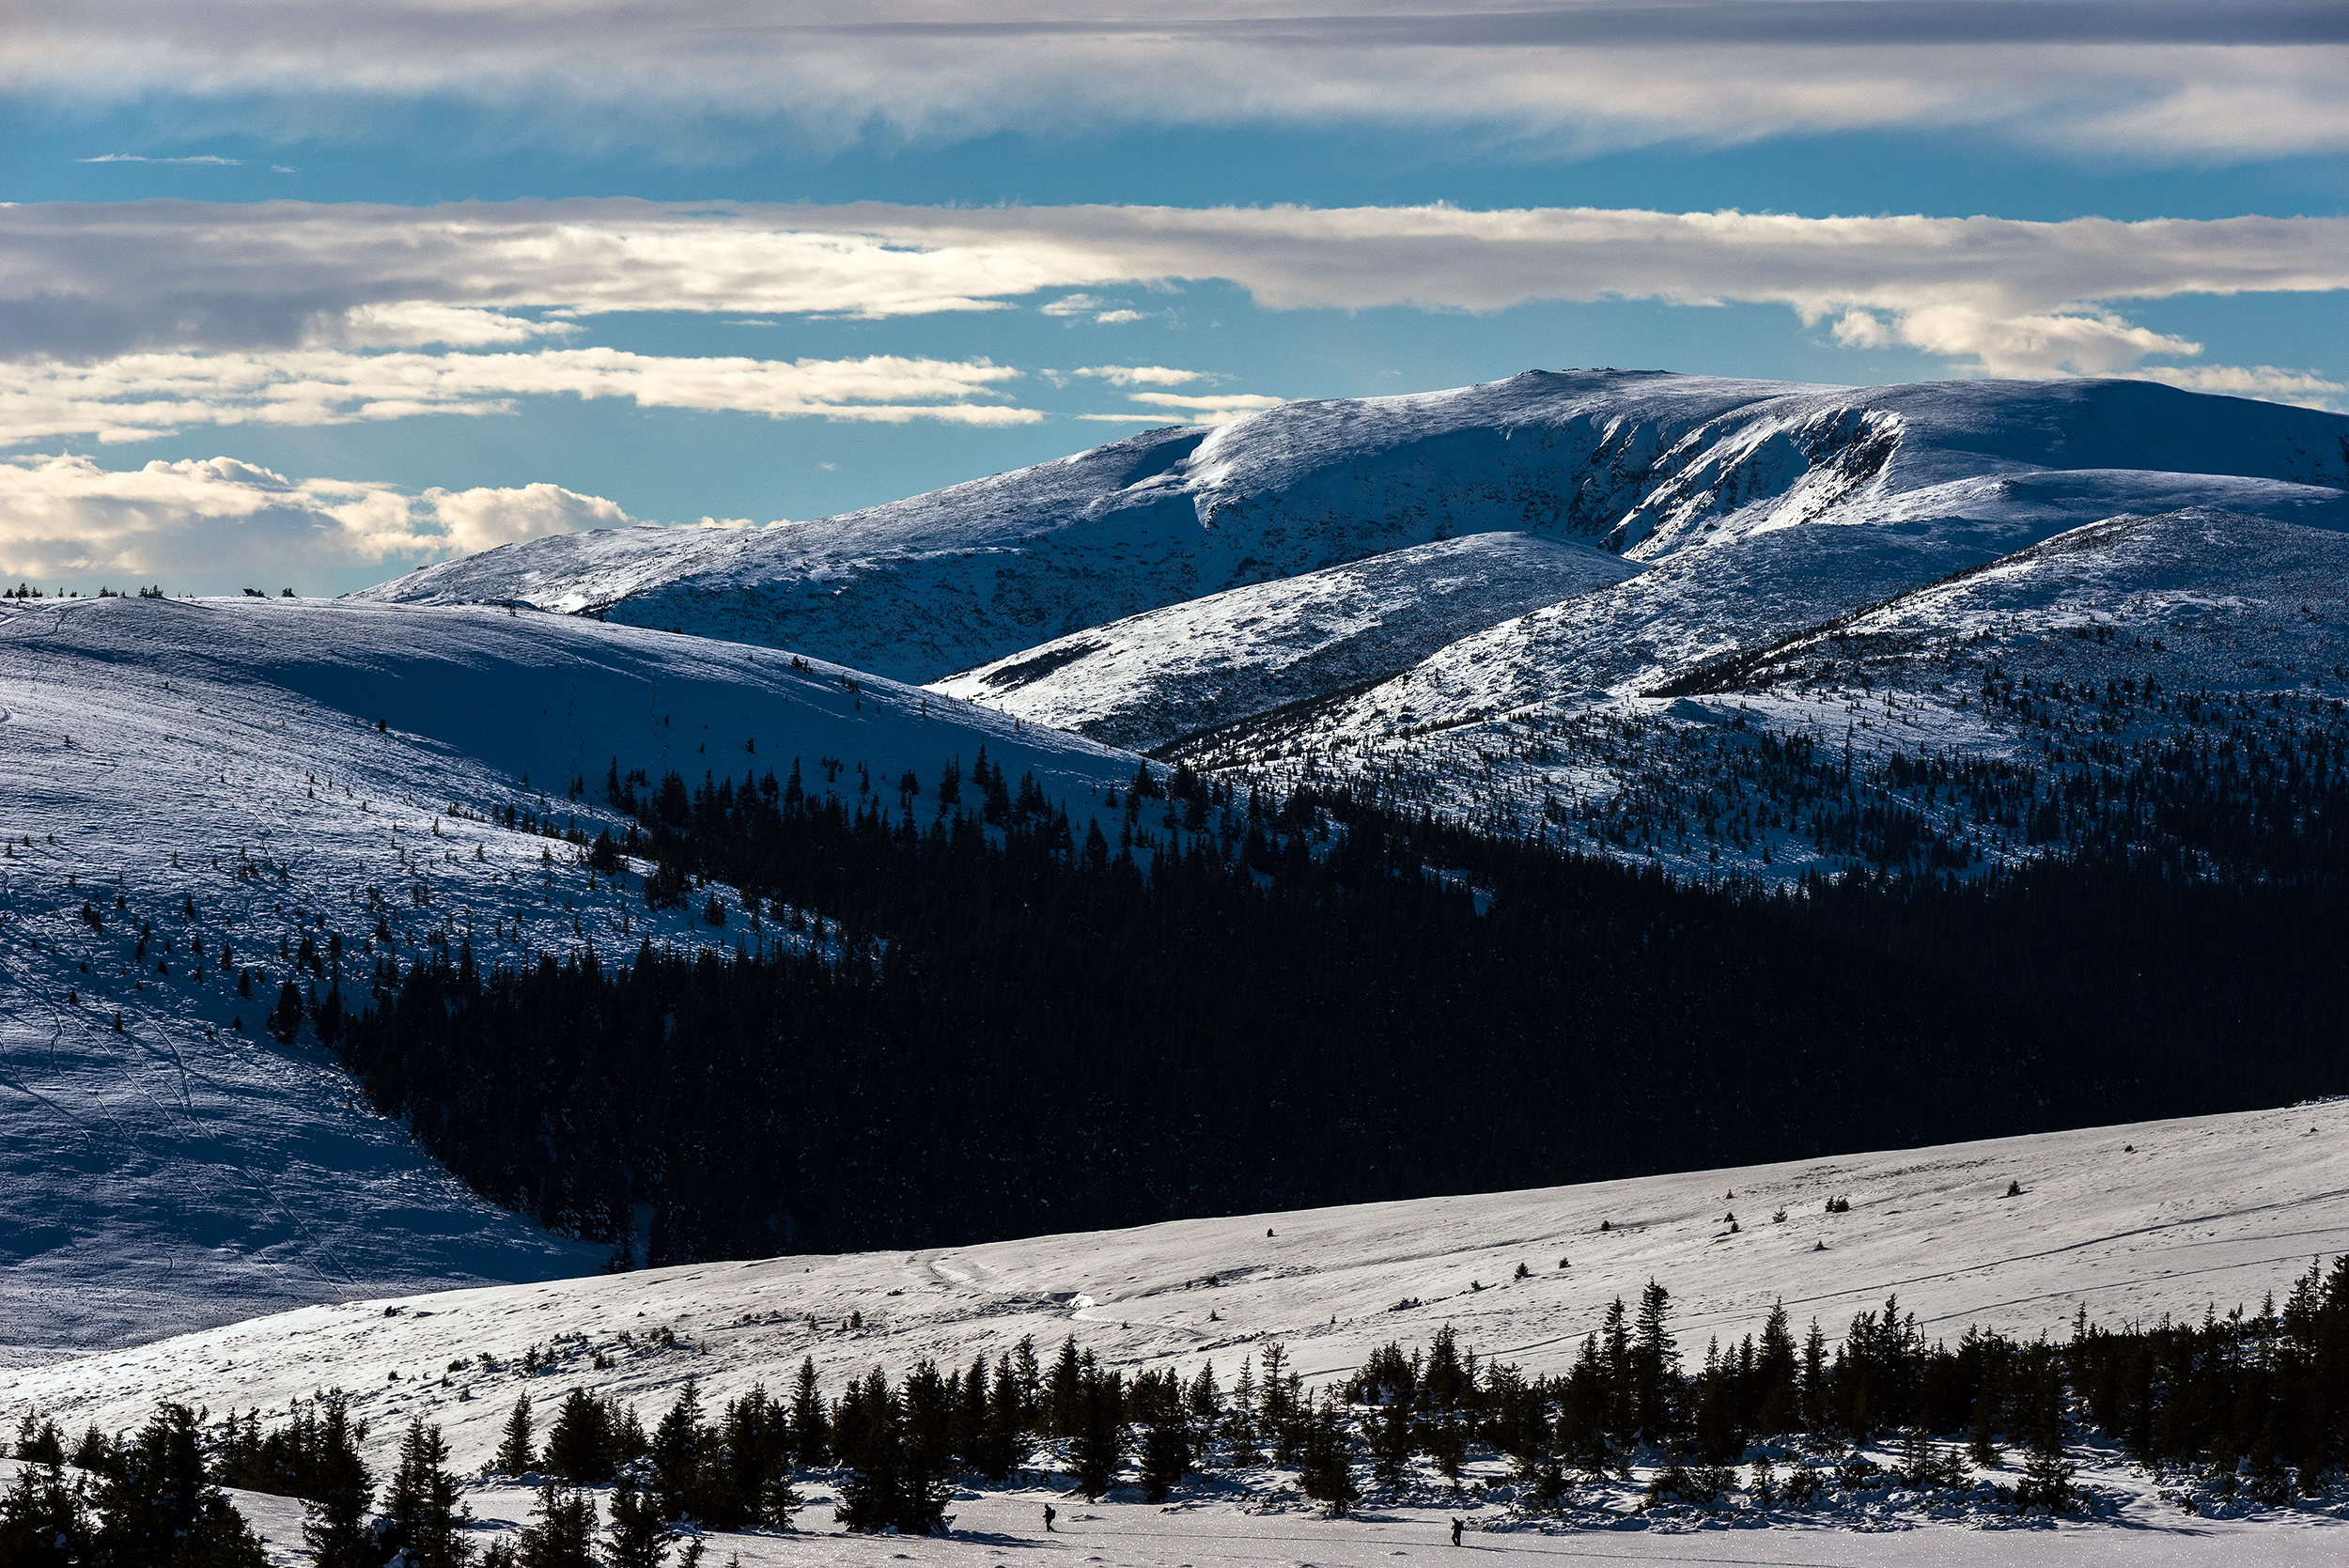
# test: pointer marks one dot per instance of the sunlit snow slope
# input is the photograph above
(218, 780)
(2131, 1223)
(1650, 466)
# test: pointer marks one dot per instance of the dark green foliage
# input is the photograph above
(160, 1510)
(1097, 1436)
(1327, 1473)
(44, 1518)
(591, 1438)
(1165, 1448)
(285, 1020)
(888, 1483)
(810, 1426)
(422, 1515)
(1625, 1011)
(637, 1534)
(337, 1485)
(562, 1532)
(517, 1451)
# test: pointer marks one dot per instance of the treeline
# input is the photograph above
(1009, 1026)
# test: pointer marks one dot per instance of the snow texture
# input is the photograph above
(1157, 676)
(2131, 1223)
(224, 758)
(1646, 465)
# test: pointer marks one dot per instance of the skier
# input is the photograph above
(1457, 1526)
(1049, 1518)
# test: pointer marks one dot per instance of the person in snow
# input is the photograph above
(1049, 1518)
(1457, 1526)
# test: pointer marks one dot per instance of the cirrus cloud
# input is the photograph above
(138, 397)
(2152, 78)
(1994, 295)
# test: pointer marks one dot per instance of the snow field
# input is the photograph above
(224, 758)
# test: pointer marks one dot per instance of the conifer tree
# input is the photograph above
(810, 1445)
(1165, 1451)
(1326, 1474)
(516, 1453)
(423, 1517)
(45, 1520)
(341, 1488)
(677, 1460)
(565, 1534)
(637, 1534)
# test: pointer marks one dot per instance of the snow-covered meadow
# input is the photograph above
(2129, 1222)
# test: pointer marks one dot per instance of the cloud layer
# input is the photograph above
(2159, 78)
(83, 283)
(139, 397)
(219, 524)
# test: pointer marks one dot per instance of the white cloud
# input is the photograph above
(1140, 375)
(217, 523)
(2159, 78)
(1997, 295)
(1213, 409)
(207, 159)
(137, 397)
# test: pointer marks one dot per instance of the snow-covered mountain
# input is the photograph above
(1152, 677)
(2129, 1223)
(1650, 467)
(193, 790)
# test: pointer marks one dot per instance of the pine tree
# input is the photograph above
(2046, 1477)
(422, 1513)
(1165, 1451)
(1390, 1443)
(565, 1535)
(637, 1536)
(285, 1020)
(341, 1488)
(810, 1444)
(45, 1522)
(1326, 1474)
(516, 1454)
(1655, 1364)
(1099, 1437)
(579, 1448)
(999, 1436)
(677, 1460)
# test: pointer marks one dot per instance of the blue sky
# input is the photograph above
(295, 298)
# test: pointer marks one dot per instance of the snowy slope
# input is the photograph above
(1645, 465)
(224, 758)
(2131, 1223)
(1627, 693)
(1152, 677)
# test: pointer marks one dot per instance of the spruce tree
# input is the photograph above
(1099, 1437)
(45, 1522)
(423, 1517)
(516, 1453)
(1326, 1474)
(637, 1535)
(1165, 1451)
(810, 1444)
(341, 1488)
(285, 1020)
(580, 1446)
(565, 1534)
(677, 1460)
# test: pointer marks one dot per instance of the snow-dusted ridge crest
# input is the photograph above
(286, 770)
(1646, 465)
